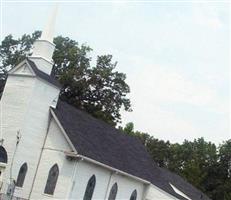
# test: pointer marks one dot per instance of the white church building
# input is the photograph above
(51, 150)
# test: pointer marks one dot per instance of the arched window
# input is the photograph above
(90, 188)
(21, 175)
(3, 155)
(133, 195)
(113, 192)
(52, 180)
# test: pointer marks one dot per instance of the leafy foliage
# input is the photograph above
(13, 51)
(201, 163)
(100, 90)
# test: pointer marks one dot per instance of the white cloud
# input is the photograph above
(161, 84)
(206, 15)
(162, 124)
(153, 86)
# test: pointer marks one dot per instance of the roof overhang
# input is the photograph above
(117, 171)
(76, 155)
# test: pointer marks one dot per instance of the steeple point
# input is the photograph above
(44, 48)
(48, 32)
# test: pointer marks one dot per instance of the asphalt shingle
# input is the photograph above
(99, 141)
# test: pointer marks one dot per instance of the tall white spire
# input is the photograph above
(48, 32)
(44, 48)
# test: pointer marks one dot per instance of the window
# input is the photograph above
(134, 195)
(3, 155)
(21, 175)
(113, 192)
(90, 188)
(52, 180)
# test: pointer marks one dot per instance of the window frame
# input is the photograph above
(134, 195)
(114, 187)
(52, 180)
(90, 189)
(21, 175)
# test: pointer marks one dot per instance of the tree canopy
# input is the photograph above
(202, 163)
(98, 89)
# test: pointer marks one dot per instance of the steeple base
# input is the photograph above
(42, 63)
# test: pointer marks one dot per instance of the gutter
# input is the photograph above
(116, 171)
(75, 155)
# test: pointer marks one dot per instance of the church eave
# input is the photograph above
(63, 131)
(23, 75)
(117, 171)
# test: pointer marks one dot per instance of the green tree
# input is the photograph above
(128, 129)
(13, 51)
(99, 89)
(201, 163)
(194, 161)
(225, 170)
(158, 149)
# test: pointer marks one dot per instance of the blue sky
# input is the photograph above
(176, 57)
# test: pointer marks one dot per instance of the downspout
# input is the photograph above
(12, 181)
(145, 191)
(72, 185)
(108, 184)
(40, 156)
(18, 137)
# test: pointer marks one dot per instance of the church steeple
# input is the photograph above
(48, 32)
(44, 47)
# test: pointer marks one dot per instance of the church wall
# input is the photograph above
(74, 174)
(15, 100)
(33, 133)
(66, 167)
(56, 139)
(126, 186)
(26, 108)
(84, 172)
(69, 185)
(155, 193)
(53, 153)
(104, 180)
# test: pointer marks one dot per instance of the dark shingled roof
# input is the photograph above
(183, 185)
(43, 75)
(97, 140)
